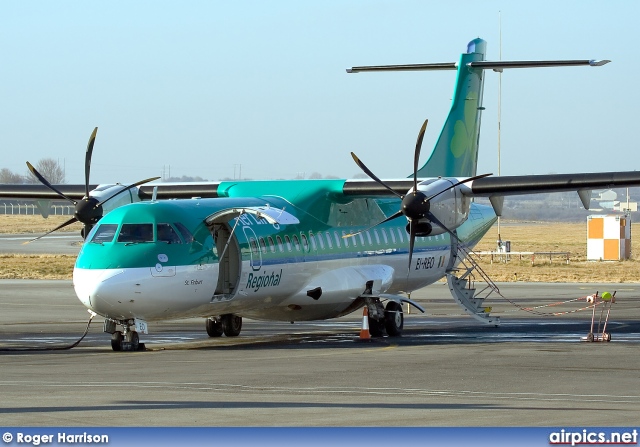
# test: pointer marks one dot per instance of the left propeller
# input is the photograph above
(416, 204)
(88, 210)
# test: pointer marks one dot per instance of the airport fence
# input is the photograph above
(32, 209)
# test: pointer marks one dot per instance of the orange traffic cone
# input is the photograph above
(364, 332)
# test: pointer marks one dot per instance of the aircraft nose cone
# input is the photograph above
(87, 284)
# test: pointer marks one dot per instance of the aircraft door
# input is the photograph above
(229, 260)
(255, 255)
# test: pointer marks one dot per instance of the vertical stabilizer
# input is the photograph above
(456, 151)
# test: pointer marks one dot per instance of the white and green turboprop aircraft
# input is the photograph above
(300, 250)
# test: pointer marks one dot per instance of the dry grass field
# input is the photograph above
(555, 237)
(524, 236)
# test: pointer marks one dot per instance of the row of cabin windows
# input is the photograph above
(322, 240)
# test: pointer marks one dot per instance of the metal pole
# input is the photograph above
(499, 107)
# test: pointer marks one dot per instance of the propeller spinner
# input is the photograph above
(88, 210)
(416, 205)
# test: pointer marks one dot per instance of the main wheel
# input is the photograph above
(376, 327)
(393, 319)
(134, 339)
(231, 325)
(214, 328)
(116, 341)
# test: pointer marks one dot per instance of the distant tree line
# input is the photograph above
(47, 167)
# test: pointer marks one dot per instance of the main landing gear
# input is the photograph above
(381, 319)
(125, 340)
(227, 324)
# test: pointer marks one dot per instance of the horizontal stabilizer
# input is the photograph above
(500, 65)
(405, 67)
(482, 65)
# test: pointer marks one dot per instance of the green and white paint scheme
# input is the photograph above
(276, 250)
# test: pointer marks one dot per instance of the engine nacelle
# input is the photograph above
(449, 205)
(103, 192)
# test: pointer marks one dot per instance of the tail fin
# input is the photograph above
(456, 151)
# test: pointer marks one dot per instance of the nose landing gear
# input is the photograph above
(125, 340)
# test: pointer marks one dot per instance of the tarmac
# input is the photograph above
(446, 369)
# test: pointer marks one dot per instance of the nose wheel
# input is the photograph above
(126, 340)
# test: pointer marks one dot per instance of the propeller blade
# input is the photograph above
(46, 183)
(459, 183)
(412, 241)
(371, 174)
(87, 161)
(128, 188)
(416, 157)
(68, 222)
(398, 214)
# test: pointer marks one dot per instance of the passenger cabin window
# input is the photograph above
(104, 233)
(272, 246)
(377, 236)
(288, 241)
(384, 236)
(320, 240)
(134, 233)
(184, 231)
(254, 245)
(369, 237)
(400, 235)
(263, 245)
(296, 242)
(280, 244)
(345, 239)
(337, 238)
(167, 234)
(314, 246)
(393, 235)
(328, 236)
(361, 239)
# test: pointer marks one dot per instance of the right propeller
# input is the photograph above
(88, 210)
(417, 203)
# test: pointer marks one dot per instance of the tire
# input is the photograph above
(231, 325)
(376, 327)
(393, 319)
(116, 341)
(590, 336)
(214, 328)
(134, 339)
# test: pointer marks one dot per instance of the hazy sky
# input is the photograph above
(202, 86)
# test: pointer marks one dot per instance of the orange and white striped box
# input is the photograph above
(608, 237)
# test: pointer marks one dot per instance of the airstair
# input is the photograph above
(464, 290)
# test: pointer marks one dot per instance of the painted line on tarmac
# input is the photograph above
(359, 390)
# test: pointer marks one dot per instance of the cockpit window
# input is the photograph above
(184, 231)
(136, 233)
(167, 234)
(104, 233)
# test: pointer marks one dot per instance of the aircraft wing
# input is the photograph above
(39, 191)
(495, 188)
(35, 191)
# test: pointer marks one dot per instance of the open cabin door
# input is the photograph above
(229, 260)
(228, 248)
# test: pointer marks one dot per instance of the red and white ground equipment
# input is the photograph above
(604, 301)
